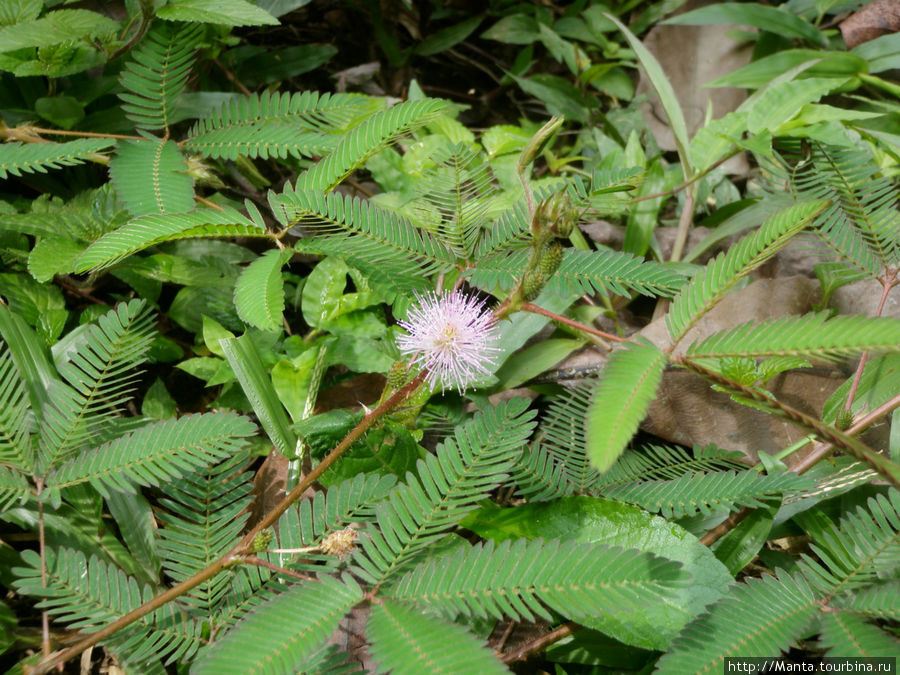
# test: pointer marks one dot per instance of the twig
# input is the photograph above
(687, 183)
(14, 133)
(528, 307)
(242, 548)
(540, 643)
(232, 78)
(259, 562)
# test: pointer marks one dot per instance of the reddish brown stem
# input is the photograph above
(528, 307)
(282, 571)
(540, 643)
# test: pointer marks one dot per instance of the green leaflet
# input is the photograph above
(281, 633)
(19, 158)
(259, 291)
(626, 389)
(708, 286)
(151, 177)
(407, 641)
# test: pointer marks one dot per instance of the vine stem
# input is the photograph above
(243, 548)
(540, 643)
(528, 307)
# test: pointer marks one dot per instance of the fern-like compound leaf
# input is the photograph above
(19, 158)
(660, 462)
(523, 579)
(156, 453)
(150, 230)
(14, 487)
(88, 594)
(582, 272)
(760, 617)
(878, 601)
(449, 484)
(15, 417)
(278, 636)
(157, 73)
(539, 477)
(813, 335)
(862, 550)
(259, 291)
(407, 641)
(350, 501)
(861, 222)
(721, 274)
(151, 177)
(702, 493)
(202, 516)
(367, 139)
(626, 389)
(275, 125)
(844, 634)
(99, 365)
(563, 436)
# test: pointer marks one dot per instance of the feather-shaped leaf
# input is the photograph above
(275, 125)
(563, 429)
(625, 391)
(14, 487)
(279, 635)
(366, 140)
(813, 335)
(878, 601)
(19, 158)
(99, 364)
(156, 453)
(449, 484)
(347, 502)
(259, 291)
(693, 493)
(583, 272)
(760, 617)
(522, 579)
(722, 273)
(539, 477)
(150, 230)
(15, 418)
(151, 177)
(660, 462)
(405, 641)
(88, 594)
(155, 75)
(203, 516)
(862, 550)
(844, 634)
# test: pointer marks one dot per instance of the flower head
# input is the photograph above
(452, 336)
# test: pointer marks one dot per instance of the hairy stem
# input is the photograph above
(243, 548)
(540, 643)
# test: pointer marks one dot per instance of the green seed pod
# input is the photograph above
(551, 259)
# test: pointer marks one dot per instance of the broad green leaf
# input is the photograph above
(213, 331)
(244, 360)
(292, 380)
(53, 256)
(761, 72)
(627, 387)
(225, 12)
(151, 177)
(137, 525)
(666, 94)
(591, 520)
(259, 291)
(879, 382)
(448, 37)
(882, 53)
(778, 21)
(56, 27)
(534, 360)
(515, 29)
(158, 403)
(781, 102)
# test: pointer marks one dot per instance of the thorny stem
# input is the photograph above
(244, 547)
(22, 134)
(540, 643)
(528, 307)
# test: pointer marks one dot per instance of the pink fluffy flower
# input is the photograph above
(452, 336)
